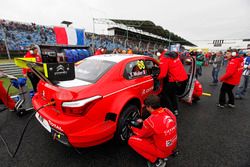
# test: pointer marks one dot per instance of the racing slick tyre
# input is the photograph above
(123, 132)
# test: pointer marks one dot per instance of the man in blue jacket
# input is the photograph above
(242, 88)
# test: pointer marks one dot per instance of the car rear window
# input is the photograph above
(92, 70)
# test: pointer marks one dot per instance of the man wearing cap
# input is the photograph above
(174, 77)
(245, 77)
(32, 53)
(230, 79)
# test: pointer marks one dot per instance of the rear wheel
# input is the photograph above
(123, 132)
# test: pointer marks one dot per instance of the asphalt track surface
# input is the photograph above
(207, 136)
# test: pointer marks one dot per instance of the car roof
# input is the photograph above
(114, 57)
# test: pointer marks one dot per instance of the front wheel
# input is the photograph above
(128, 114)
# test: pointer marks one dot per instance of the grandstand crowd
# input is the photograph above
(19, 36)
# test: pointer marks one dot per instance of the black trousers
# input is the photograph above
(169, 94)
(34, 80)
(226, 89)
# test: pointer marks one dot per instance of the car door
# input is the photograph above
(137, 79)
(151, 65)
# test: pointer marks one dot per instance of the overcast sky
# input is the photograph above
(191, 19)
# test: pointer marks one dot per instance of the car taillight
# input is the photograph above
(79, 107)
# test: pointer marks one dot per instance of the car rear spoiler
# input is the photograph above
(54, 66)
(34, 67)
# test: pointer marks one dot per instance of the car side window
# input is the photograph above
(149, 65)
(135, 69)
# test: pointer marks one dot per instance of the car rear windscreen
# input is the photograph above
(91, 70)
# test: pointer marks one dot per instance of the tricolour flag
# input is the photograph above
(69, 36)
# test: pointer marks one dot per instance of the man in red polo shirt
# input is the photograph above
(32, 53)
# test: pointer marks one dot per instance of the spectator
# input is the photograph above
(116, 51)
(124, 52)
(199, 62)
(241, 90)
(217, 62)
(129, 51)
(91, 50)
(230, 79)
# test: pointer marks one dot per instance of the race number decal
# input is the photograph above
(140, 64)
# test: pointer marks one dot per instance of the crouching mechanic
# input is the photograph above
(157, 139)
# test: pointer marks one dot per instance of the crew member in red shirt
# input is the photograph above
(157, 139)
(174, 79)
(32, 53)
(230, 79)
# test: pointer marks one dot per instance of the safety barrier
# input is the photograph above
(11, 69)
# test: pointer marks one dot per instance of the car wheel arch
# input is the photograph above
(127, 112)
(130, 101)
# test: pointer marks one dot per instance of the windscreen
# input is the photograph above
(92, 70)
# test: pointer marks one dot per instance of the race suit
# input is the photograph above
(158, 136)
(174, 78)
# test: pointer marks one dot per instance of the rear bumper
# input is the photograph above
(88, 138)
(75, 131)
(93, 136)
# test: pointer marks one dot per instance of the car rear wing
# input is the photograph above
(36, 69)
(62, 53)
(57, 62)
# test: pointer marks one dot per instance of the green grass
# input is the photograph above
(13, 90)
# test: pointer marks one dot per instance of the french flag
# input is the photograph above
(69, 36)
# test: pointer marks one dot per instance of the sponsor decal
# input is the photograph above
(146, 91)
(55, 126)
(60, 71)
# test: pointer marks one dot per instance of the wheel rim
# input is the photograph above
(125, 131)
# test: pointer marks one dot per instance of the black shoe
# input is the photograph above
(157, 163)
(238, 97)
(213, 84)
(220, 106)
(176, 113)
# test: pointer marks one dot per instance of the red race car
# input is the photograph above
(107, 92)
